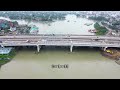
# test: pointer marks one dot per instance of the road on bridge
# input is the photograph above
(62, 40)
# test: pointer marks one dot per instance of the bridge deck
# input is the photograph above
(60, 40)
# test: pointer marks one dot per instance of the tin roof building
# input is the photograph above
(5, 50)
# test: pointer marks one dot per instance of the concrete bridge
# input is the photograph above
(60, 40)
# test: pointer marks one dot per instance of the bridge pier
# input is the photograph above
(105, 48)
(38, 48)
(71, 48)
(2, 46)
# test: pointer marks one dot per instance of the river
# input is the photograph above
(71, 25)
(84, 62)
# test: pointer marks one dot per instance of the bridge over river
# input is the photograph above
(60, 40)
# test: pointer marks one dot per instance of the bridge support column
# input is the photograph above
(71, 48)
(105, 48)
(2, 46)
(38, 48)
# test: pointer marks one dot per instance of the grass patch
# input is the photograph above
(2, 62)
(5, 58)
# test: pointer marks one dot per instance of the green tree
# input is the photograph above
(100, 30)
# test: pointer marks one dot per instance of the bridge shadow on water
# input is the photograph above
(77, 49)
(58, 48)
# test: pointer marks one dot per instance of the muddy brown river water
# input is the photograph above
(83, 63)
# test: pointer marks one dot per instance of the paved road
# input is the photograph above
(60, 40)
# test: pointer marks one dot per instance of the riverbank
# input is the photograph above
(7, 57)
(112, 53)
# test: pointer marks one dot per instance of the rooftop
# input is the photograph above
(5, 50)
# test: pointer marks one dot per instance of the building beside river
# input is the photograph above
(5, 53)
